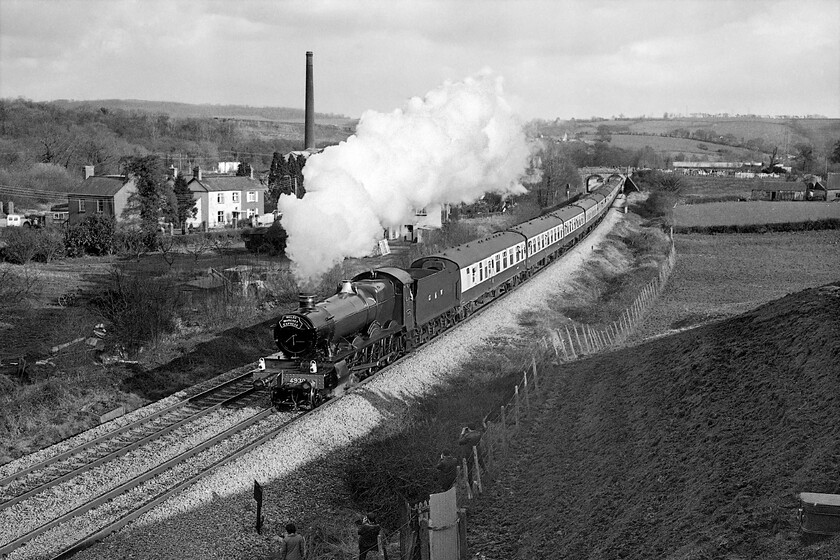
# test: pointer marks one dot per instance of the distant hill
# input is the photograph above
(749, 133)
(188, 110)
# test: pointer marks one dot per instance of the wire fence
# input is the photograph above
(502, 426)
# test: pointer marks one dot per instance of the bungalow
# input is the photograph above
(225, 199)
(105, 195)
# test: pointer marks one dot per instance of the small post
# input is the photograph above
(571, 345)
(477, 469)
(516, 397)
(258, 496)
(504, 431)
(425, 553)
(577, 336)
(463, 553)
(534, 368)
(466, 479)
(527, 396)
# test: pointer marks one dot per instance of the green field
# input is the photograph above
(753, 212)
(686, 146)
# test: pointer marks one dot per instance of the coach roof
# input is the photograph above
(475, 251)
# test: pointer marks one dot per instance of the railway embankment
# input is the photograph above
(693, 445)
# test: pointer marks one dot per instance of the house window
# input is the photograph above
(220, 198)
(234, 197)
(252, 196)
(81, 206)
(221, 217)
(100, 206)
(252, 212)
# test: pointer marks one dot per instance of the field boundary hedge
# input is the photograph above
(809, 225)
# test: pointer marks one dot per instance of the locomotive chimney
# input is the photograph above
(309, 122)
(306, 301)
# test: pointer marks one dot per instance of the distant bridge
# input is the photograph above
(594, 177)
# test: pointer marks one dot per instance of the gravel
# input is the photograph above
(214, 518)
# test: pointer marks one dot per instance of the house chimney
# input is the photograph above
(1, 208)
(197, 172)
(173, 172)
(11, 207)
(88, 169)
(309, 119)
(251, 171)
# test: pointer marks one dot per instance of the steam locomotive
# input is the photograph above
(380, 315)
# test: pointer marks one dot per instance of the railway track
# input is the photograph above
(24, 492)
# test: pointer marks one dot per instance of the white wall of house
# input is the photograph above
(222, 206)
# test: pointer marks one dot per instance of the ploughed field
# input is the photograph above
(718, 276)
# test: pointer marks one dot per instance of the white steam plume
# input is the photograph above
(455, 144)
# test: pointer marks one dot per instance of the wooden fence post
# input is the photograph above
(534, 367)
(516, 397)
(462, 535)
(424, 539)
(572, 346)
(527, 395)
(577, 336)
(504, 432)
(477, 469)
(465, 473)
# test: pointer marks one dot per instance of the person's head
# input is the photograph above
(290, 528)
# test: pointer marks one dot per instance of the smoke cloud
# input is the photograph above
(457, 143)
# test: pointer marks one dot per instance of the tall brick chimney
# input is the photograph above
(197, 172)
(309, 122)
(88, 169)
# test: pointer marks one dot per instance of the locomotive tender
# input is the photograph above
(379, 315)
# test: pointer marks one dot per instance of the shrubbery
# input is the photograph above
(810, 225)
(24, 244)
(140, 309)
(94, 236)
(266, 241)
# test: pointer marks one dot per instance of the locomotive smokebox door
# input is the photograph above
(819, 513)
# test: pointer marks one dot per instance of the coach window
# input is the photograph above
(497, 263)
(505, 260)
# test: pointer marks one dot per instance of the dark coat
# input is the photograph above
(368, 536)
(294, 548)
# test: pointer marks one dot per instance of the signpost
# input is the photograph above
(258, 496)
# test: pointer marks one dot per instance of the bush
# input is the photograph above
(50, 245)
(21, 245)
(95, 236)
(140, 309)
(266, 241)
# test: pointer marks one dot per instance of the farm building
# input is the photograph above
(810, 190)
(100, 195)
(832, 188)
(734, 168)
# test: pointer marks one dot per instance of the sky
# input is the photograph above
(557, 58)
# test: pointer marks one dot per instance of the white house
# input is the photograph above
(223, 200)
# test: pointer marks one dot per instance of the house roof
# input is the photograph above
(225, 183)
(101, 185)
